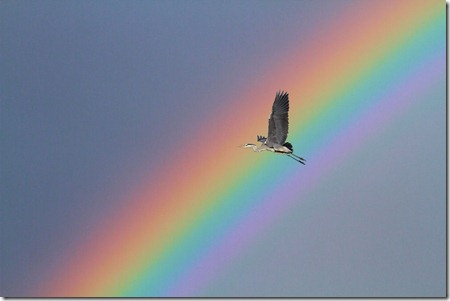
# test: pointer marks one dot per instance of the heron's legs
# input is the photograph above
(300, 161)
(298, 157)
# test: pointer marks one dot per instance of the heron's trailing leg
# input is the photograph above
(300, 161)
(298, 157)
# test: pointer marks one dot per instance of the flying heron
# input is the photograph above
(278, 130)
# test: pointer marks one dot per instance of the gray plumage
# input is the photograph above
(279, 120)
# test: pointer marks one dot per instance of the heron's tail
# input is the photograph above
(288, 145)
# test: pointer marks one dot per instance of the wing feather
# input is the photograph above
(279, 120)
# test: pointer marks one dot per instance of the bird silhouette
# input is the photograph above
(278, 130)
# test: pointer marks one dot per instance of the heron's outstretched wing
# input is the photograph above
(278, 120)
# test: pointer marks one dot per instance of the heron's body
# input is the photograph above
(278, 130)
(275, 148)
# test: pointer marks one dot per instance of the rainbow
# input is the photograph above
(357, 74)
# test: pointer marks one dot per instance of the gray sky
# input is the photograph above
(89, 88)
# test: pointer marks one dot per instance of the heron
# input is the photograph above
(278, 130)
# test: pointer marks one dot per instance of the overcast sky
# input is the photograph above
(89, 88)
